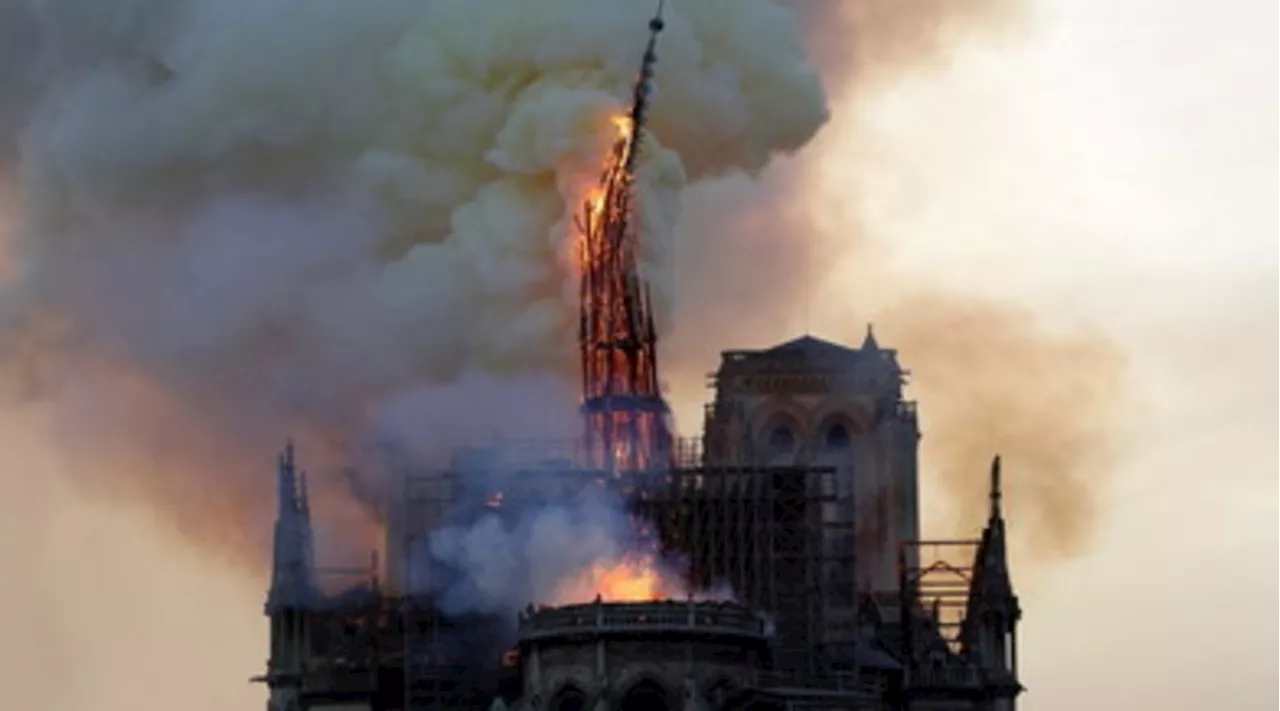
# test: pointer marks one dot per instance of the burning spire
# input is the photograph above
(626, 418)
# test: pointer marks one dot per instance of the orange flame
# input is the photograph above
(636, 576)
(595, 197)
(631, 579)
(622, 124)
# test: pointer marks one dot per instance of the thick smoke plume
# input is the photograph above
(241, 220)
(564, 552)
(499, 568)
(137, 121)
(232, 221)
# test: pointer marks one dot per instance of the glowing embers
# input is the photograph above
(634, 575)
(634, 437)
(607, 205)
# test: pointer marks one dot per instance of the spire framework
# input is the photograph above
(626, 419)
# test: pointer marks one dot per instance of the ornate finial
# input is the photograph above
(995, 487)
(869, 342)
(656, 24)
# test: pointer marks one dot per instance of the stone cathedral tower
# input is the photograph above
(812, 402)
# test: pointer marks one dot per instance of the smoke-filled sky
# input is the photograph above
(1063, 214)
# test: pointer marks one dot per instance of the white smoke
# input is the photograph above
(305, 215)
(500, 567)
(567, 552)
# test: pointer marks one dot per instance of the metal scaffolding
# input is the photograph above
(430, 678)
(772, 534)
(776, 536)
(780, 538)
(765, 532)
(937, 576)
(936, 589)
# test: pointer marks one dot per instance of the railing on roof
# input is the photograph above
(564, 454)
(710, 618)
(944, 677)
(836, 682)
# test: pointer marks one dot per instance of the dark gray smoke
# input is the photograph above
(236, 221)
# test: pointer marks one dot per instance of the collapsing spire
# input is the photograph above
(643, 88)
(625, 415)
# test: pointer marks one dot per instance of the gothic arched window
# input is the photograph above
(782, 440)
(569, 698)
(645, 696)
(837, 437)
(720, 690)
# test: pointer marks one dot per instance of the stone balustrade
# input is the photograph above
(669, 616)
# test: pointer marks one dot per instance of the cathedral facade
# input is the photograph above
(804, 499)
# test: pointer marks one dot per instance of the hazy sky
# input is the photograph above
(1115, 166)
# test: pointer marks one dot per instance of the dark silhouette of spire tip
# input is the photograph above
(656, 24)
(996, 493)
(869, 341)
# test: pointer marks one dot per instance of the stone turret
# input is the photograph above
(293, 586)
(989, 634)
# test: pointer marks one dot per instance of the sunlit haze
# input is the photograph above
(1119, 170)
(1109, 166)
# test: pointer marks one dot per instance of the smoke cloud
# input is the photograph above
(565, 552)
(860, 46)
(234, 222)
(499, 568)
(992, 378)
(238, 221)
(227, 222)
